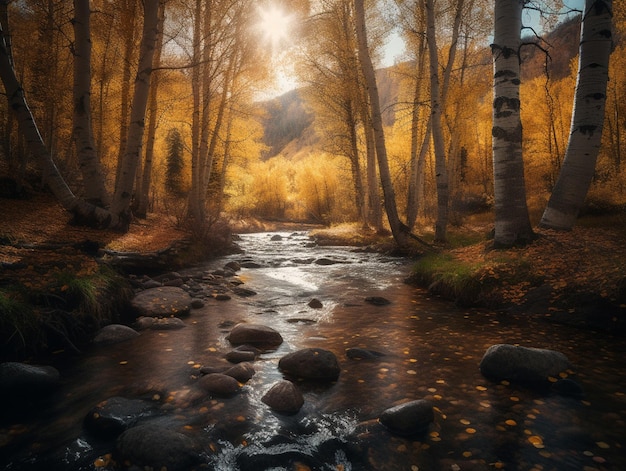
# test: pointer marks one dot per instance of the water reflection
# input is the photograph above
(432, 350)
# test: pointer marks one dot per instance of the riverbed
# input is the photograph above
(431, 350)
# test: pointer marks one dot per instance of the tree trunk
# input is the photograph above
(399, 230)
(195, 211)
(512, 222)
(88, 159)
(129, 28)
(124, 185)
(143, 193)
(84, 213)
(585, 136)
(441, 173)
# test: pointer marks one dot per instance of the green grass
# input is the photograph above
(19, 323)
(448, 277)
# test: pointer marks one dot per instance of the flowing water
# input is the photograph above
(432, 351)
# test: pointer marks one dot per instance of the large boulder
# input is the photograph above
(254, 334)
(311, 363)
(515, 363)
(114, 333)
(158, 448)
(284, 397)
(410, 418)
(111, 417)
(21, 379)
(164, 301)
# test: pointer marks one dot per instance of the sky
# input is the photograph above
(394, 50)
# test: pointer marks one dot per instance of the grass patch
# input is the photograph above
(446, 276)
(65, 312)
(475, 283)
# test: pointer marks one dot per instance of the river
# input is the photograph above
(432, 351)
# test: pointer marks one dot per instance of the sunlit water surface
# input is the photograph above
(432, 351)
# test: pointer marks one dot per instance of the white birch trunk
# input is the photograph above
(585, 137)
(124, 185)
(441, 172)
(512, 222)
(88, 160)
(400, 231)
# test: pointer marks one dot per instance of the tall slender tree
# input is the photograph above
(398, 229)
(125, 183)
(512, 221)
(88, 158)
(596, 43)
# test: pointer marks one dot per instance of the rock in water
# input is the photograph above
(18, 380)
(284, 397)
(165, 301)
(254, 334)
(410, 418)
(157, 447)
(311, 363)
(219, 384)
(111, 417)
(515, 363)
(114, 333)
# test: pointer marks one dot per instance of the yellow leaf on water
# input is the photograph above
(514, 398)
(470, 430)
(536, 441)
(603, 445)
(123, 362)
(465, 421)
(481, 388)
(467, 454)
(510, 422)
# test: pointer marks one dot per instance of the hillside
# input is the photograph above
(289, 125)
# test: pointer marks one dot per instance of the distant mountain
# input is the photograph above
(288, 125)
(285, 120)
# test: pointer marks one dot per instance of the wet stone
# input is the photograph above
(158, 448)
(242, 372)
(410, 418)
(315, 304)
(197, 303)
(311, 363)
(21, 378)
(238, 356)
(377, 300)
(284, 397)
(219, 384)
(254, 334)
(162, 302)
(244, 292)
(114, 333)
(516, 363)
(116, 414)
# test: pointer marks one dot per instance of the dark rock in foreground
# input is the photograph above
(165, 301)
(410, 418)
(114, 333)
(111, 417)
(17, 379)
(311, 363)
(515, 363)
(284, 397)
(157, 447)
(254, 334)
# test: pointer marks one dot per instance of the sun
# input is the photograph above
(274, 24)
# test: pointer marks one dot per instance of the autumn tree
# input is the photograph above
(512, 221)
(596, 43)
(399, 230)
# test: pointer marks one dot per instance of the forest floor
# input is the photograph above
(581, 267)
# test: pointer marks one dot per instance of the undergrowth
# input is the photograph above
(63, 314)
